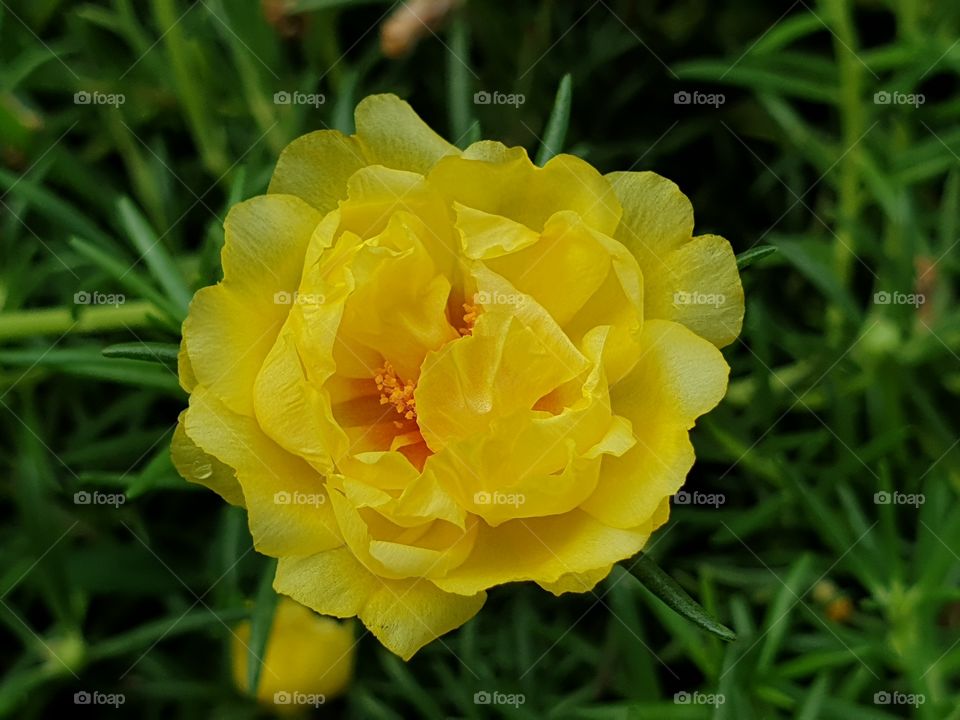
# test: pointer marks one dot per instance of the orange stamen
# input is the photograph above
(470, 313)
(396, 392)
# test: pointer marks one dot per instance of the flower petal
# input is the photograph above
(289, 408)
(543, 550)
(514, 357)
(679, 377)
(289, 512)
(699, 286)
(315, 167)
(404, 615)
(577, 582)
(505, 182)
(200, 467)
(484, 236)
(564, 268)
(632, 486)
(538, 461)
(657, 217)
(184, 370)
(232, 325)
(392, 134)
(331, 582)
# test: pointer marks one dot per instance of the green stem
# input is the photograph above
(853, 123)
(57, 321)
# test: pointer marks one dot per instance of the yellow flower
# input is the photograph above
(308, 660)
(428, 372)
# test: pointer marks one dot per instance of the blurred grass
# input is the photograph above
(834, 397)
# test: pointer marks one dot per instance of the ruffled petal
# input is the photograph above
(184, 369)
(516, 355)
(287, 506)
(699, 287)
(564, 268)
(657, 217)
(484, 236)
(202, 468)
(425, 549)
(502, 181)
(404, 615)
(679, 377)
(392, 134)
(232, 325)
(315, 167)
(538, 461)
(577, 582)
(543, 550)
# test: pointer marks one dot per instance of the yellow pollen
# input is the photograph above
(469, 318)
(396, 392)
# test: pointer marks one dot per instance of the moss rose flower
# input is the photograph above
(428, 371)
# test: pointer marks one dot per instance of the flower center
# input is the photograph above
(396, 392)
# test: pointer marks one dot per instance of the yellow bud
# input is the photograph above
(308, 659)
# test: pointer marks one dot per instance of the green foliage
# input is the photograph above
(839, 584)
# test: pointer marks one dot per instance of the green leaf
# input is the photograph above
(759, 79)
(261, 620)
(150, 633)
(777, 621)
(749, 257)
(676, 598)
(163, 353)
(89, 363)
(556, 132)
(126, 277)
(52, 206)
(814, 259)
(154, 254)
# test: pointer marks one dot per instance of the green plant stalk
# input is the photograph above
(852, 121)
(209, 138)
(329, 44)
(57, 321)
(255, 96)
(130, 151)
